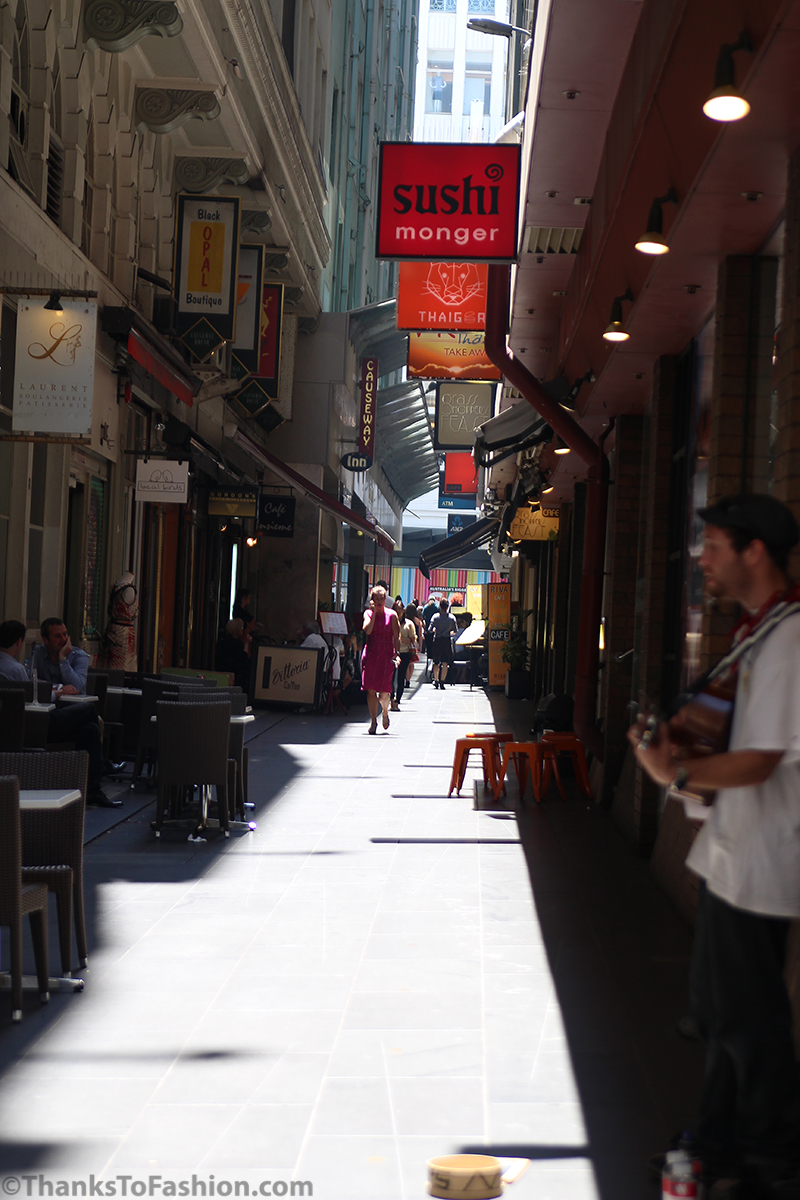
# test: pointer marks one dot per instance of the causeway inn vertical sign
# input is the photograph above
(54, 367)
(369, 387)
(450, 201)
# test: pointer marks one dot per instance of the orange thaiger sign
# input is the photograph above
(499, 614)
(442, 295)
(449, 356)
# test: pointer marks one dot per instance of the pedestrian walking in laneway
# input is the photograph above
(408, 642)
(443, 626)
(378, 659)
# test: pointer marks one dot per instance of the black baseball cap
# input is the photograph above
(760, 515)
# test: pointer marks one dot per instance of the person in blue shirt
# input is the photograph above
(64, 666)
(76, 723)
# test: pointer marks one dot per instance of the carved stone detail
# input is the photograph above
(307, 325)
(114, 25)
(202, 174)
(293, 296)
(163, 109)
(275, 264)
(255, 221)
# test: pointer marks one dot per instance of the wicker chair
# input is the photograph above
(52, 842)
(12, 726)
(153, 690)
(190, 680)
(18, 899)
(193, 750)
(97, 684)
(236, 747)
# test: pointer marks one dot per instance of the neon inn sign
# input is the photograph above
(441, 201)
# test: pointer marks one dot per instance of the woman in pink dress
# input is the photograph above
(382, 631)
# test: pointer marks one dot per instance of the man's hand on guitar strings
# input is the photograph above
(656, 753)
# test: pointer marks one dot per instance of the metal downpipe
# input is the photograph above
(594, 542)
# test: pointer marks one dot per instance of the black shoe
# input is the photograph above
(99, 799)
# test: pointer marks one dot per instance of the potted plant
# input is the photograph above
(515, 654)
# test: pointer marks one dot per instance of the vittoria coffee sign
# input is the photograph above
(369, 386)
(448, 201)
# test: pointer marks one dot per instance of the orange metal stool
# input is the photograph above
(463, 747)
(499, 740)
(541, 759)
(569, 743)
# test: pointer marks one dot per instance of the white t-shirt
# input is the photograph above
(315, 641)
(748, 850)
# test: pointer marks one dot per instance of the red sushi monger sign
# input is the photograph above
(448, 201)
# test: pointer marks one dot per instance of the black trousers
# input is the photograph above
(400, 677)
(750, 1103)
(78, 723)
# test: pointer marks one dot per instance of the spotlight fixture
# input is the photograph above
(252, 541)
(237, 70)
(652, 240)
(570, 401)
(546, 490)
(726, 102)
(562, 447)
(54, 303)
(614, 331)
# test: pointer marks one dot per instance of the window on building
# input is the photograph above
(478, 83)
(439, 85)
(20, 81)
(481, 6)
(444, 6)
(55, 179)
(88, 189)
(36, 533)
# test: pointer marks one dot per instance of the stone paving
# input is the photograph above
(308, 1003)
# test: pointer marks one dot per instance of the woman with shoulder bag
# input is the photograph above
(408, 643)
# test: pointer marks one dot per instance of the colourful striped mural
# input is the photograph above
(408, 583)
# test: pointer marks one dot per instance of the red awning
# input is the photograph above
(323, 499)
(149, 358)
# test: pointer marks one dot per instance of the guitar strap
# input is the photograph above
(786, 606)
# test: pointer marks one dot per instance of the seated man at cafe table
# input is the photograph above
(63, 665)
(233, 653)
(77, 723)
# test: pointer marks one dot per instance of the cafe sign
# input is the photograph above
(162, 481)
(287, 675)
(54, 367)
(535, 525)
(448, 201)
(232, 502)
(276, 515)
(460, 409)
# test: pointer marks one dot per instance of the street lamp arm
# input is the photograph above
(495, 28)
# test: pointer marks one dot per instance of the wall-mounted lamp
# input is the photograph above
(614, 331)
(495, 28)
(570, 401)
(54, 303)
(562, 448)
(546, 491)
(652, 240)
(726, 102)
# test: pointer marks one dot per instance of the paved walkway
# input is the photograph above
(363, 982)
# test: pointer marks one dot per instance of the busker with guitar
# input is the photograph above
(747, 854)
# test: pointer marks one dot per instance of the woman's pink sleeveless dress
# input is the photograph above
(377, 656)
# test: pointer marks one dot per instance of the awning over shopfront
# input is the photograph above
(325, 500)
(373, 333)
(448, 550)
(512, 430)
(403, 442)
(152, 352)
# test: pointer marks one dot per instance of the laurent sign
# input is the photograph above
(54, 367)
(448, 201)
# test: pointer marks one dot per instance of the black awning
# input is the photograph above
(512, 430)
(449, 549)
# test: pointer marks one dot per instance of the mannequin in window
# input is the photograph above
(437, 88)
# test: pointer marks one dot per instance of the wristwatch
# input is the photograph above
(681, 779)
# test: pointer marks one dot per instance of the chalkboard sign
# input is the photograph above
(276, 515)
